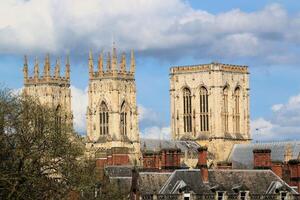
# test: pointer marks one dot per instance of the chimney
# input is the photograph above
(202, 163)
(262, 159)
(294, 166)
(277, 168)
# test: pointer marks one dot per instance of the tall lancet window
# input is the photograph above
(104, 119)
(225, 110)
(204, 116)
(187, 110)
(123, 119)
(236, 114)
(58, 119)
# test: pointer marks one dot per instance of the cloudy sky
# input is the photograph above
(263, 34)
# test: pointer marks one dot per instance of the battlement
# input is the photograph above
(214, 66)
(113, 69)
(47, 78)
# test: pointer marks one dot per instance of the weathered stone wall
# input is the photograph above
(214, 78)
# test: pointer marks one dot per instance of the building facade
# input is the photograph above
(210, 104)
(112, 116)
(50, 89)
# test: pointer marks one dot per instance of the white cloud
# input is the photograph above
(156, 132)
(146, 113)
(79, 106)
(152, 27)
(284, 124)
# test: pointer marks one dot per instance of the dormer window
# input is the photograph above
(283, 195)
(220, 195)
(243, 195)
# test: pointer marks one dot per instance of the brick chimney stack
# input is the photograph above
(294, 166)
(202, 163)
(262, 159)
(277, 168)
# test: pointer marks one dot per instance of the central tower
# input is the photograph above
(112, 117)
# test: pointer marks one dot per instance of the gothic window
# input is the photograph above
(236, 114)
(225, 109)
(58, 119)
(187, 110)
(123, 119)
(204, 123)
(104, 119)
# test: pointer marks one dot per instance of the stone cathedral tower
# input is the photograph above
(52, 90)
(112, 117)
(210, 104)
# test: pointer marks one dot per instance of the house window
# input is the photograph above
(220, 195)
(187, 110)
(283, 195)
(204, 123)
(243, 195)
(187, 196)
(104, 119)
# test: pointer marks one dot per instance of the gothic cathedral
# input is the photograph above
(51, 90)
(210, 104)
(112, 116)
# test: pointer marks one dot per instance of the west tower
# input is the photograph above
(210, 104)
(50, 89)
(112, 117)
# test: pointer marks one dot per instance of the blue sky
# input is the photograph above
(265, 35)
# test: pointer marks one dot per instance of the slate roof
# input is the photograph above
(242, 154)
(151, 182)
(256, 181)
(157, 145)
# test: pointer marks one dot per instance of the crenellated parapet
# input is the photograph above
(47, 77)
(114, 68)
(210, 67)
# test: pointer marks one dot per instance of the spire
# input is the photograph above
(36, 68)
(47, 66)
(67, 73)
(25, 68)
(123, 63)
(132, 62)
(57, 69)
(108, 62)
(114, 58)
(91, 64)
(100, 63)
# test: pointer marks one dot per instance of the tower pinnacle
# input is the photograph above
(132, 62)
(57, 69)
(100, 63)
(123, 63)
(47, 67)
(36, 68)
(114, 59)
(25, 68)
(91, 64)
(67, 73)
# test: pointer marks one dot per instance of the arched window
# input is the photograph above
(236, 114)
(104, 119)
(123, 119)
(187, 110)
(225, 110)
(58, 118)
(204, 123)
